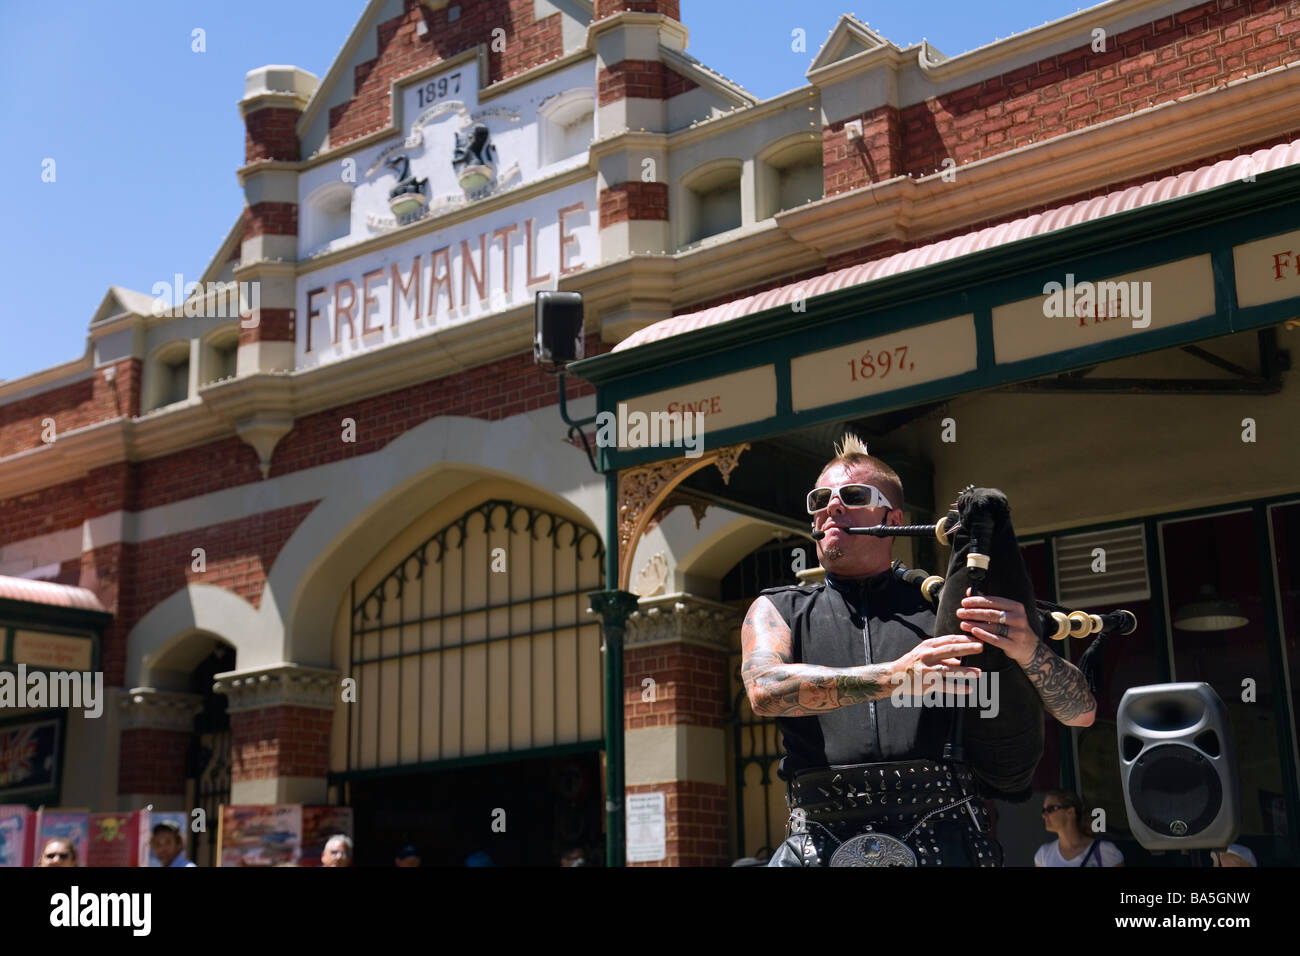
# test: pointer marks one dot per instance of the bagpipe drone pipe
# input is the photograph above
(1003, 750)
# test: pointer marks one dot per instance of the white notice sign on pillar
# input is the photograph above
(646, 828)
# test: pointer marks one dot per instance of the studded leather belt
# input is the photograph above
(873, 790)
(912, 800)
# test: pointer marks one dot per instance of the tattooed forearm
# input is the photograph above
(803, 690)
(779, 687)
(1061, 685)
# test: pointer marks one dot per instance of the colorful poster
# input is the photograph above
(17, 830)
(150, 819)
(260, 835)
(114, 839)
(318, 825)
(29, 758)
(64, 823)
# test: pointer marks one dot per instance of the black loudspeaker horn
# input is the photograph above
(557, 329)
(1179, 767)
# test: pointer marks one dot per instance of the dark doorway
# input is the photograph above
(207, 769)
(550, 805)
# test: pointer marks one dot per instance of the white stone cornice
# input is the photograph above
(279, 685)
(681, 618)
(145, 708)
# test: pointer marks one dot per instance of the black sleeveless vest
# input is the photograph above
(848, 623)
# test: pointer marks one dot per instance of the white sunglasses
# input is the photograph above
(853, 495)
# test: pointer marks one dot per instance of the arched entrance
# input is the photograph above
(478, 688)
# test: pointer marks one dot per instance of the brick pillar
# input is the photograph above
(155, 738)
(667, 8)
(676, 742)
(274, 97)
(853, 161)
(280, 719)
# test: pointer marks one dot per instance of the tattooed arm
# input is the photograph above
(778, 687)
(1062, 687)
(1002, 623)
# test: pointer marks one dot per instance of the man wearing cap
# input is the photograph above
(167, 844)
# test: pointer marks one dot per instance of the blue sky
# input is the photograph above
(145, 133)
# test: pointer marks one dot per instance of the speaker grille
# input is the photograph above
(1175, 790)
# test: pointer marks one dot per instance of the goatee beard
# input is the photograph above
(833, 552)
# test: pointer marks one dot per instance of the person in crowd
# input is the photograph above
(408, 856)
(337, 852)
(58, 852)
(168, 845)
(1235, 855)
(1074, 844)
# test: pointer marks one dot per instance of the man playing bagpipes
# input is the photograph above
(876, 776)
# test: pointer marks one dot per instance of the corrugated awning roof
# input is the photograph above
(47, 593)
(1062, 217)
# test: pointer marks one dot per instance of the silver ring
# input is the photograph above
(1002, 617)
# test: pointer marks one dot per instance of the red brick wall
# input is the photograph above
(269, 133)
(279, 742)
(877, 156)
(71, 406)
(690, 686)
(195, 471)
(490, 392)
(152, 761)
(109, 489)
(528, 43)
(273, 325)
(640, 79)
(633, 200)
(697, 816)
(669, 8)
(56, 508)
(131, 579)
(271, 219)
(1189, 52)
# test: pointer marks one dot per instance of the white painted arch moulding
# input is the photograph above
(370, 497)
(374, 497)
(178, 619)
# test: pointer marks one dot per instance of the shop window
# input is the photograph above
(788, 176)
(712, 202)
(219, 356)
(567, 125)
(1219, 635)
(326, 216)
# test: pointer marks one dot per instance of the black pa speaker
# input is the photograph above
(557, 329)
(1179, 767)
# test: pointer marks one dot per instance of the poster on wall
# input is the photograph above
(17, 833)
(260, 835)
(29, 758)
(64, 823)
(114, 839)
(150, 819)
(318, 825)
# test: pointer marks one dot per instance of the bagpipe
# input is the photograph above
(1004, 750)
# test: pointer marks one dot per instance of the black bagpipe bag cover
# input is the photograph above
(1003, 751)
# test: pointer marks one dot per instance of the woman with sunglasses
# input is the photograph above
(1074, 844)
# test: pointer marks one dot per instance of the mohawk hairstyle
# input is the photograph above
(852, 452)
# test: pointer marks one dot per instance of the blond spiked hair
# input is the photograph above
(852, 451)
